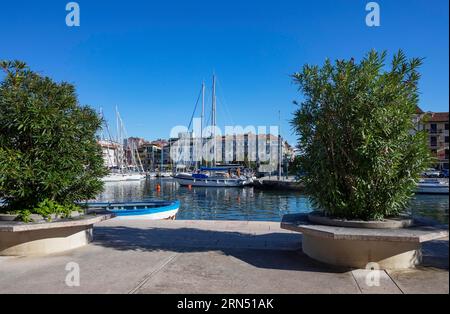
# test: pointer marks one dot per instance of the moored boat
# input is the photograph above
(120, 177)
(164, 174)
(432, 187)
(145, 210)
(212, 177)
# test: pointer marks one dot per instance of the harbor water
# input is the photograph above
(199, 203)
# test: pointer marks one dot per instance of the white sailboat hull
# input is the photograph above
(123, 177)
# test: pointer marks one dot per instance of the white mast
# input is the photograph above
(119, 146)
(280, 145)
(214, 119)
(201, 123)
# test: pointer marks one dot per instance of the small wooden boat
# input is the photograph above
(147, 210)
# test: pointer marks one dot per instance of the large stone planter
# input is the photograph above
(20, 239)
(357, 244)
(35, 217)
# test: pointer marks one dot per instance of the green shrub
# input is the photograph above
(24, 215)
(360, 157)
(47, 208)
(48, 148)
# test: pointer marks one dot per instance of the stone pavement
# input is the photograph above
(208, 257)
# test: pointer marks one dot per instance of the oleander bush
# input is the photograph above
(361, 152)
(49, 155)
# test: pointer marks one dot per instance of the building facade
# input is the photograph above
(109, 153)
(436, 124)
(263, 152)
(155, 156)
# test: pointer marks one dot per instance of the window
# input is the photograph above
(446, 126)
(433, 141)
(433, 128)
(446, 139)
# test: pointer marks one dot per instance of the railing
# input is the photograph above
(436, 131)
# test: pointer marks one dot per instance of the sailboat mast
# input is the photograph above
(214, 119)
(201, 123)
(119, 146)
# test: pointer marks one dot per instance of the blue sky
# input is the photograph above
(149, 58)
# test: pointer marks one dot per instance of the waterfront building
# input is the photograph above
(261, 152)
(130, 150)
(436, 124)
(150, 155)
(155, 155)
(109, 153)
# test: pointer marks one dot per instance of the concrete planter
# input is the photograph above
(34, 217)
(355, 244)
(20, 239)
(392, 223)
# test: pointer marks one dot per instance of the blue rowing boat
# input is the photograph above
(147, 210)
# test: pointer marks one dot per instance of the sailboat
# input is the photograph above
(212, 176)
(125, 171)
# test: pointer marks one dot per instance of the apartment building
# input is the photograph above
(436, 124)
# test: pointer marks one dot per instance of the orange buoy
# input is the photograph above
(190, 187)
(158, 187)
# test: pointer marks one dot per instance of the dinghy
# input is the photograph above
(146, 210)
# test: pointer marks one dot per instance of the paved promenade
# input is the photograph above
(208, 257)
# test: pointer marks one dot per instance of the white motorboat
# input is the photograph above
(120, 177)
(164, 174)
(432, 187)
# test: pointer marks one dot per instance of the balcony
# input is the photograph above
(435, 131)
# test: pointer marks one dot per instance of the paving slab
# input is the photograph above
(423, 280)
(375, 282)
(248, 271)
(102, 270)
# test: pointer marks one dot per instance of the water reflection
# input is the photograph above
(241, 203)
(211, 203)
(430, 206)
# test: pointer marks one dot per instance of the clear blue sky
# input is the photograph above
(150, 57)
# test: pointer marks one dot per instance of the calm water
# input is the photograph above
(242, 203)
